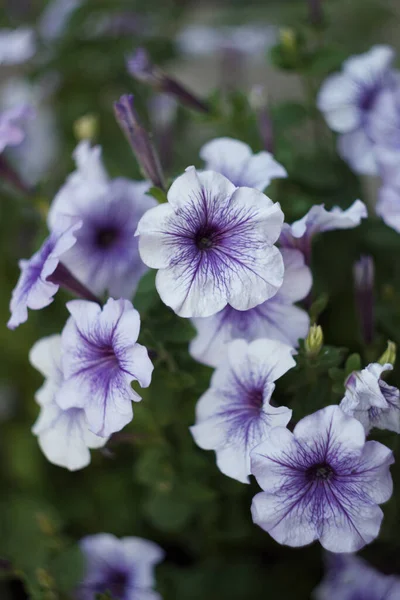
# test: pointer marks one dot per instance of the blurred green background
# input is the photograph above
(151, 480)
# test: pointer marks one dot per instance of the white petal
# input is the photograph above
(297, 280)
(337, 99)
(155, 242)
(357, 149)
(193, 187)
(45, 356)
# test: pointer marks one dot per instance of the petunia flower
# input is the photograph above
(16, 45)
(371, 400)
(349, 577)
(34, 288)
(321, 482)
(63, 435)
(300, 233)
(213, 245)
(348, 101)
(277, 318)
(388, 205)
(123, 567)
(235, 413)
(105, 256)
(11, 121)
(235, 160)
(100, 360)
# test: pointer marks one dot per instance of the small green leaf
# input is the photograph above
(158, 194)
(353, 363)
(67, 568)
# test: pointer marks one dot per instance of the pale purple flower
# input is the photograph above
(123, 567)
(235, 160)
(235, 414)
(105, 256)
(34, 289)
(388, 205)
(63, 435)
(348, 101)
(213, 245)
(277, 318)
(55, 17)
(323, 481)
(351, 578)
(250, 40)
(16, 45)
(100, 360)
(11, 125)
(300, 233)
(371, 400)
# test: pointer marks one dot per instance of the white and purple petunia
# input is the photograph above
(63, 435)
(33, 289)
(101, 357)
(388, 205)
(105, 256)
(16, 45)
(122, 567)
(11, 125)
(235, 160)
(213, 244)
(300, 233)
(235, 413)
(349, 577)
(351, 104)
(321, 482)
(277, 318)
(371, 400)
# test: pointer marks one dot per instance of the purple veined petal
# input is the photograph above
(275, 319)
(100, 360)
(235, 414)
(215, 248)
(321, 482)
(270, 357)
(371, 401)
(105, 257)
(124, 566)
(33, 290)
(371, 65)
(337, 427)
(190, 187)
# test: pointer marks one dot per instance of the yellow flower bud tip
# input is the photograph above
(288, 38)
(85, 128)
(314, 340)
(389, 356)
(44, 578)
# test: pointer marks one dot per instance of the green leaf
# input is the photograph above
(158, 194)
(168, 510)
(153, 467)
(288, 114)
(318, 307)
(67, 568)
(353, 363)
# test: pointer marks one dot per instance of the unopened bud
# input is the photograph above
(139, 140)
(142, 69)
(86, 127)
(389, 356)
(364, 274)
(288, 39)
(314, 340)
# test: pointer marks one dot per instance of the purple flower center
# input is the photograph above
(255, 398)
(106, 237)
(206, 237)
(367, 98)
(115, 583)
(320, 472)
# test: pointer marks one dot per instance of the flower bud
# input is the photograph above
(314, 340)
(389, 356)
(142, 69)
(85, 128)
(139, 140)
(364, 275)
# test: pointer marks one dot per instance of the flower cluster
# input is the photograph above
(362, 104)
